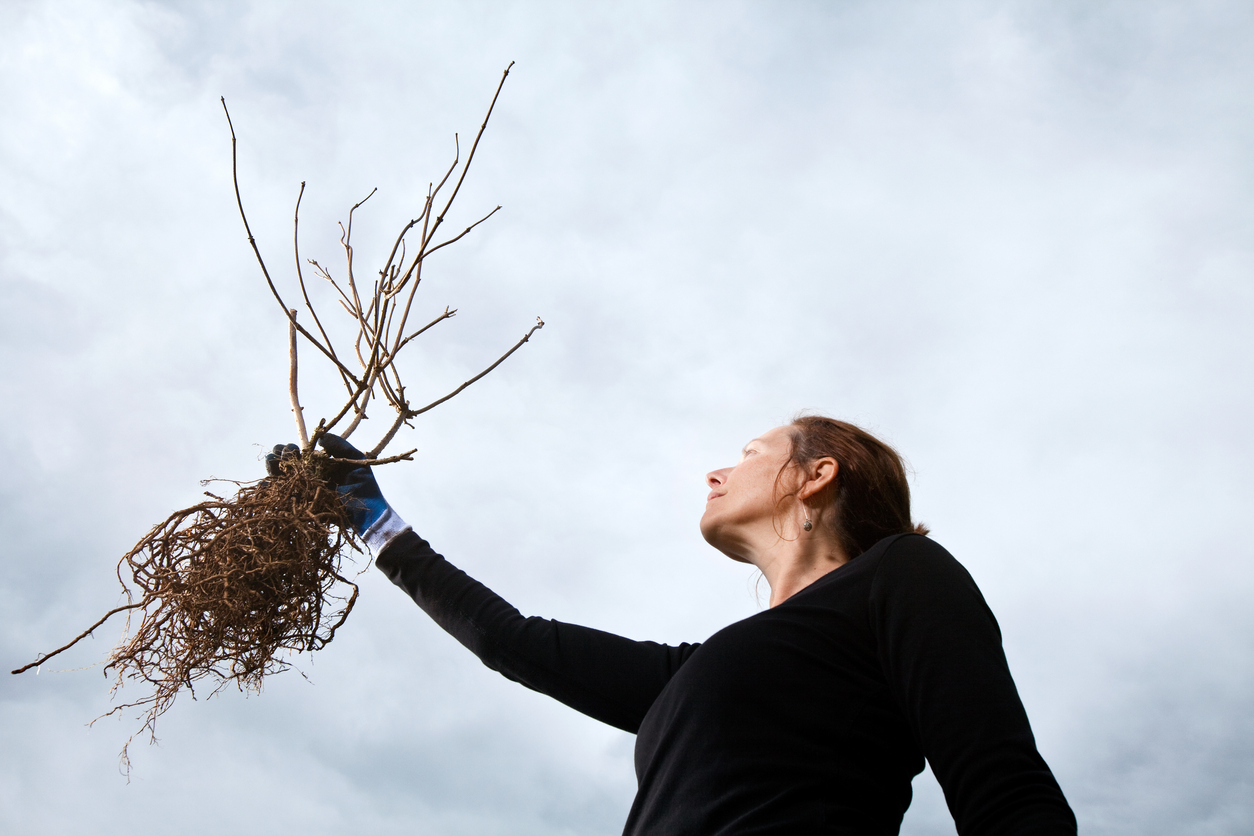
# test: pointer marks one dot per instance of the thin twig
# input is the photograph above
(428, 235)
(469, 159)
(449, 313)
(372, 460)
(400, 239)
(253, 243)
(346, 239)
(395, 393)
(291, 383)
(300, 276)
(539, 324)
(457, 238)
(363, 392)
(414, 413)
(359, 415)
(322, 271)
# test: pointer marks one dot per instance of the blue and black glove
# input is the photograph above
(372, 517)
(280, 452)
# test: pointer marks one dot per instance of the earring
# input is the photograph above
(807, 525)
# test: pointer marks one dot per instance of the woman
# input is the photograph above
(811, 716)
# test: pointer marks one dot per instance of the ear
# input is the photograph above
(820, 476)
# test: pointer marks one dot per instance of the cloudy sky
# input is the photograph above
(1015, 239)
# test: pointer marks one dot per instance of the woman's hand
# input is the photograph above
(356, 485)
(371, 516)
(280, 452)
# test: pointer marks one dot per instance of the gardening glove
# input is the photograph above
(280, 452)
(372, 518)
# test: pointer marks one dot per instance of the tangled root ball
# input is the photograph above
(230, 588)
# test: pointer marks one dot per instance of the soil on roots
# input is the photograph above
(227, 590)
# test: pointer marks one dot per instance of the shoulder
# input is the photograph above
(906, 557)
(898, 558)
(915, 574)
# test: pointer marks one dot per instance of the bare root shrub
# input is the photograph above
(229, 589)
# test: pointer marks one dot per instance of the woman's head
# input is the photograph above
(851, 485)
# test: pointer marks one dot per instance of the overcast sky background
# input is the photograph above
(1017, 240)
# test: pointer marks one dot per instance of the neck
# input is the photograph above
(789, 566)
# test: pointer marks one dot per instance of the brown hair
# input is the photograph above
(870, 496)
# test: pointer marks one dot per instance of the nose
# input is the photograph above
(716, 477)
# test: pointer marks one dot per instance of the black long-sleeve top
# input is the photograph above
(810, 717)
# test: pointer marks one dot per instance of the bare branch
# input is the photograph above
(253, 243)
(322, 271)
(231, 586)
(428, 235)
(457, 156)
(395, 395)
(357, 206)
(324, 427)
(300, 276)
(400, 239)
(401, 418)
(346, 238)
(469, 159)
(372, 460)
(359, 415)
(449, 313)
(364, 389)
(414, 413)
(463, 233)
(291, 383)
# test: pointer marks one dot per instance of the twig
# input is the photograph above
(449, 313)
(428, 235)
(322, 271)
(300, 277)
(439, 219)
(539, 324)
(253, 243)
(380, 331)
(359, 415)
(373, 460)
(346, 239)
(360, 412)
(291, 383)
(459, 237)
(414, 413)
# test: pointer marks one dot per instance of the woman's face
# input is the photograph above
(741, 510)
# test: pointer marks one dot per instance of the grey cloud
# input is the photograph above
(1015, 239)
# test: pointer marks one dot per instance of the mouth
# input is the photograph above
(713, 495)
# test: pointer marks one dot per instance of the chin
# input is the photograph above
(712, 533)
(709, 529)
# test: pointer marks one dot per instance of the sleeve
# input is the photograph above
(610, 678)
(940, 649)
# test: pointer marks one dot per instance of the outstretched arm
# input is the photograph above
(610, 678)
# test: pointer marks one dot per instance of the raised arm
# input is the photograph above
(940, 648)
(610, 678)
(605, 676)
